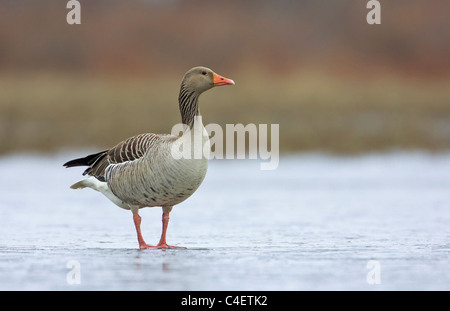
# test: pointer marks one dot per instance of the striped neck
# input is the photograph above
(188, 104)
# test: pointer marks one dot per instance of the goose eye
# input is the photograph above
(204, 73)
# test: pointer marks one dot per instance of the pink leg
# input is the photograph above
(162, 243)
(137, 224)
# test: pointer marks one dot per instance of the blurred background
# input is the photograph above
(332, 82)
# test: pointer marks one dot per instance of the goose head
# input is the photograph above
(196, 81)
(201, 79)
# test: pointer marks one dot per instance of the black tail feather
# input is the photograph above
(86, 161)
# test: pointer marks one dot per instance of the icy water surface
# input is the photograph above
(374, 222)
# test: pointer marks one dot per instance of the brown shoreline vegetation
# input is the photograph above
(321, 113)
(331, 81)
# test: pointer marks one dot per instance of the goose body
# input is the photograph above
(148, 170)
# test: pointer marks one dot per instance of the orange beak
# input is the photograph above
(219, 80)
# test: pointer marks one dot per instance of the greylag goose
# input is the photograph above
(142, 171)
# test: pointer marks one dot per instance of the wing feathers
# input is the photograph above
(129, 150)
